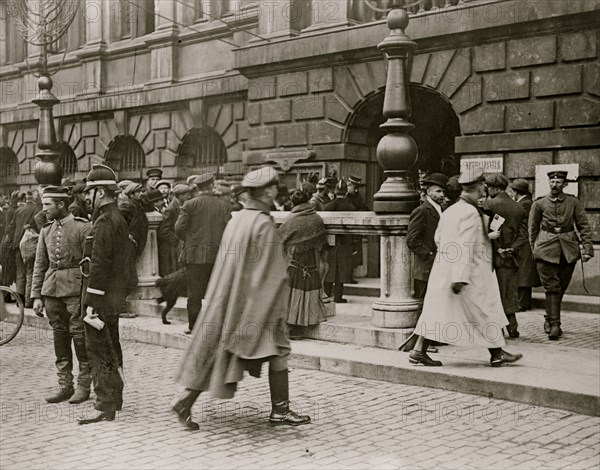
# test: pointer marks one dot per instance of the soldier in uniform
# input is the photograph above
(57, 287)
(154, 175)
(552, 223)
(106, 290)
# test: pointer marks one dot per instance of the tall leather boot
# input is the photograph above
(64, 364)
(84, 378)
(548, 308)
(513, 325)
(280, 401)
(553, 298)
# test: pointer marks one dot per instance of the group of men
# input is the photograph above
(457, 245)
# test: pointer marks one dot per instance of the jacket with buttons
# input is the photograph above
(60, 249)
(551, 229)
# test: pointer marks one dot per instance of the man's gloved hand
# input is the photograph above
(458, 286)
(38, 307)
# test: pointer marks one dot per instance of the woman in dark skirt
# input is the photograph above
(303, 236)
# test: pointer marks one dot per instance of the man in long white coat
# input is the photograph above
(462, 305)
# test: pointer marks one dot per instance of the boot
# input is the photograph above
(500, 357)
(280, 401)
(64, 364)
(183, 408)
(102, 416)
(84, 378)
(419, 354)
(553, 311)
(512, 325)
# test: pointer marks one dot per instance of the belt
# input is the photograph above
(545, 228)
(62, 266)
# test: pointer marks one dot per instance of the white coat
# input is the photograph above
(473, 317)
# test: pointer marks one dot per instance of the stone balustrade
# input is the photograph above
(395, 308)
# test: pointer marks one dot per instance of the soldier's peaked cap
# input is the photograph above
(355, 181)
(261, 178)
(101, 175)
(56, 192)
(558, 174)
(203, 179)
(154, 172)
(471, 175)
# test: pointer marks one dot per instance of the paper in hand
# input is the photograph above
(496, 223)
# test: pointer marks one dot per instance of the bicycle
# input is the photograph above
(9, 327)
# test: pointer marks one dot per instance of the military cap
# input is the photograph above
(101, 175)
(341, 187)
(562, 174)
(239, 189)
(471, 175)
(322, 184)
(56, 192)
(437, 179)
(261, 178)
(355, 181)
(132, 188)
(520, 185)
(497, 180)
(161, 182)
(154, 172)
(204, 180)
(154, 195)
(180, 189)
(79, 187)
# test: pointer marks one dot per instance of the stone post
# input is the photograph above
(147, 264)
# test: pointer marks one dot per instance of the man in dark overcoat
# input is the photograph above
(505, 247)
(422, 225)
(106, 290)
(169, 244)
(200, 225)
(528, 276)
(354, 183)
(556, 247)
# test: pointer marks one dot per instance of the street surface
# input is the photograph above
(357, 423)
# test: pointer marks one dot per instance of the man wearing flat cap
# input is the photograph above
(248, 291)
(556, 247)
(505, 247)
(131, 206)
(422, 225)
(108, 284)
(462, 304)
(527, 276)
(154, 175)
(200, 225)
(57, 287)
(320, 198)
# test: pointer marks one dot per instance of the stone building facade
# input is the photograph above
(228, 85)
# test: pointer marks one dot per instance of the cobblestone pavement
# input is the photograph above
(357, 423)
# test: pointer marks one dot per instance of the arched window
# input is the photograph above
(68, 160)
(9, 170)
(126, 156)
(202, 149)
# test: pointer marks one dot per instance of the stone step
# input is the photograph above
(553, 375)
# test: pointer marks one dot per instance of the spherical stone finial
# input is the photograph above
(397, 19)
(44, 83)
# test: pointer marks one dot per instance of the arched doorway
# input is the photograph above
(68, 160)
(126, 157)
(202, 150)
(436, 127)
(9, 171)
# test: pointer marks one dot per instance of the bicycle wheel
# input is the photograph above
(11, 317)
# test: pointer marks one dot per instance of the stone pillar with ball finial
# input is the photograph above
(47, 170)
(397, 154)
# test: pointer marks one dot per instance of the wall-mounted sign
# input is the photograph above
(489, 164)
(541, 178)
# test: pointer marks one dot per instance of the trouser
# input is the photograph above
(420, 288)
(198, 276)
(525, 300)
(335, 288)
(105, 366)
(21, 276)
(67, 324)
(555, 280)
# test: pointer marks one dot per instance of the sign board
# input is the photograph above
(541, 178)
(488, 164)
